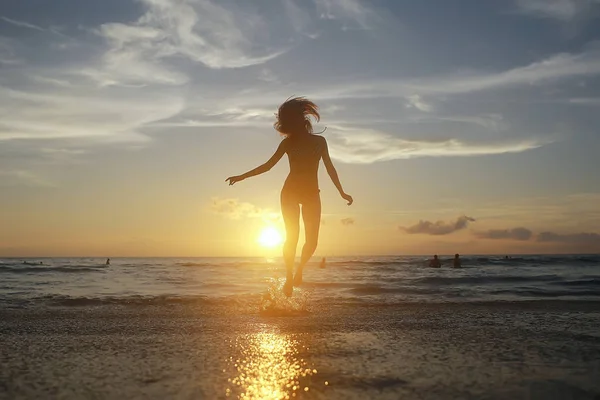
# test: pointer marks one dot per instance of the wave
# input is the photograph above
(531, 292)
(444, 280)
(371, 263)
(592, 282)
(235, 264)
(73, 301)
(475, 261)
(195, 264)
(63, 268)
(376, 290)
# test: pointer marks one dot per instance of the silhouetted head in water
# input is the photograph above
(435, 257)
(456, 255)
(293, 117)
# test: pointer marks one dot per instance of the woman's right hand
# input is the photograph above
(348, 198)
(234, 179)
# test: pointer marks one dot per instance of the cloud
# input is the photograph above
(7, 52)
(111, 115)
(558, 66)
(215, 34)
(22, 177)
(439, 227)
(576, 238)
(415, 101)
(347, 10)
(489, 121)
(553, 68)
(235, 209)
(586, 101)
(27, 25)
(22, 24)
(562, 10)
(364, 146)
(218, 34)
(519, 233)
(347, 221)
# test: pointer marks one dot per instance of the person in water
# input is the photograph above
(301, 188)
(435, 262)
(322, 264)
(456, 263)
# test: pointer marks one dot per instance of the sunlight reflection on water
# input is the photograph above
(268, 367)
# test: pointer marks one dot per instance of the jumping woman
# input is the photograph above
(301, 188)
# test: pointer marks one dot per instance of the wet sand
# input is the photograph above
(535, 350)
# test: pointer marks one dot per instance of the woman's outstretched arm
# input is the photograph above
(333, 174)
(261, 169)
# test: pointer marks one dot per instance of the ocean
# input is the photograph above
(363, 327)
(344, 281)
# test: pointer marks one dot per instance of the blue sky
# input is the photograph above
(121, 119)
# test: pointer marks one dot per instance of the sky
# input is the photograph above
(458, 126)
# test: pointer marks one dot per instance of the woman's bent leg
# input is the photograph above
(311, 215)
(290, 209)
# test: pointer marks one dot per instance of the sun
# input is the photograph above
(269, 237)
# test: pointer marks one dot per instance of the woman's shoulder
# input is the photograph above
(318, 138)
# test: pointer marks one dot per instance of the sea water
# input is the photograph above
(254, 283)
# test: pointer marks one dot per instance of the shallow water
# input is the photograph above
(244, 281)
(503, 350)
(362, 328)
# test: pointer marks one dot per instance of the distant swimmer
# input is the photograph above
(435, 262)
(322, 264)
(456, 263)
(108, 261)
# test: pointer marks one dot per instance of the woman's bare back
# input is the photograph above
(304, 154)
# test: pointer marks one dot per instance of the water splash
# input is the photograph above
(275, 303)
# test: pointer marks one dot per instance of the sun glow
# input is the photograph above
(269, 237)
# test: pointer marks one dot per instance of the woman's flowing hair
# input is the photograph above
(293, 116)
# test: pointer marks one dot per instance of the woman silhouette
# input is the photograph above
(301, 187)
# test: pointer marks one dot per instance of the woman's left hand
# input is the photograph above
(348, 198)
(234, 179)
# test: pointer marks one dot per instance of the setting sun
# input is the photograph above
(269, 237)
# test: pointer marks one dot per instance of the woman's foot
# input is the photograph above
(288, 286)
(298, 277)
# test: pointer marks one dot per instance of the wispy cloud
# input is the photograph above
(204, 31)
(562, 10)
(216, 34)
(553, 68)
(22, 24)
(27, 25)
(415, 101)
(112, 115)
(519, 233)
(575, 238)
(347, 221)
(586, 101)
(22, 177)
(438, 227)
(52, 81)
(7, 53)
(235, 209)
(367, 146)
(347, 11)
